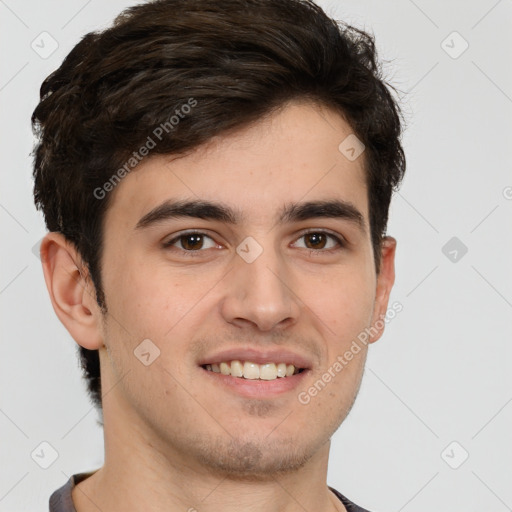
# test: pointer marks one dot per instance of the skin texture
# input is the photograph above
(173, 439)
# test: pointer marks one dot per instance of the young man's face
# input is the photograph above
(303, 298)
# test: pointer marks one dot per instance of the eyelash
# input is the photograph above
(337, 238)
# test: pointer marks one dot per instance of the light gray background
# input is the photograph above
(442, 371)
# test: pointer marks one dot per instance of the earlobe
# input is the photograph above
(385, 281)
(71, 291)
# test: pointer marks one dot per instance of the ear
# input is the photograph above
(71, 291)
(385, 281)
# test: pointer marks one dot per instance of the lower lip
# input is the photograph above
(256, 388)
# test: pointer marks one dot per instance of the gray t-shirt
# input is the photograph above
(61, 501)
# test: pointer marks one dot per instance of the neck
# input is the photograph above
(139, 471)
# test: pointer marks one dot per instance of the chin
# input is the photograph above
(255, 460)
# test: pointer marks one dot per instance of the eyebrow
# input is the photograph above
(291, 212)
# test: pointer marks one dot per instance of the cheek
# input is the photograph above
(148, 299)
(145, 306)
(343, 303)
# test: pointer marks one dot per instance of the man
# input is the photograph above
(215, 178)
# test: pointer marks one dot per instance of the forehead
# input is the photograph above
(291, 157)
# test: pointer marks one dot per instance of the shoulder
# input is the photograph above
(350, 506)
(61, 500)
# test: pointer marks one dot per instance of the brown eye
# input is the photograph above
(316, 240)
(190, 242)
(321, 241)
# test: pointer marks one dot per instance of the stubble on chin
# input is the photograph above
(245, 460)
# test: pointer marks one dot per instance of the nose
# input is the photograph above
(260, 293)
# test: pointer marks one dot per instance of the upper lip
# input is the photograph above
(257, 356)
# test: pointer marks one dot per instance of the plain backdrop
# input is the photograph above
(431, 426)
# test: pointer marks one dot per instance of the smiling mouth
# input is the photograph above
(253, 371)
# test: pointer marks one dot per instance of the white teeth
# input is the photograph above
(268, 371)
(225, 369)
(237, 369)
(253, 371)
